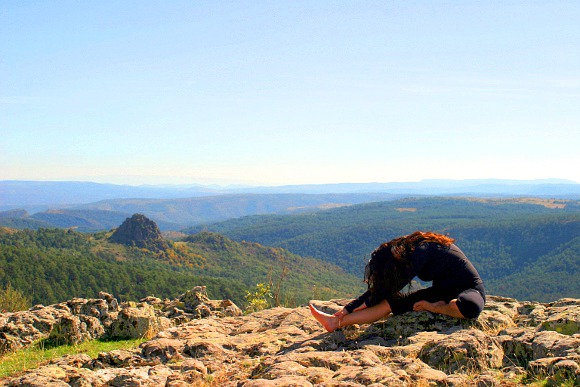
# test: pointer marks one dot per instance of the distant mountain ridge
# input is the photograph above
(80, 220)
(41, 195)
(37, 196)
(178, 214)
(441, 186)
(90, 207)
(175, 214)
(201, 210)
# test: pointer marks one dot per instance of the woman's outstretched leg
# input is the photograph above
(363, 316)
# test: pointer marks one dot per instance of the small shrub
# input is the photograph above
(259, 299)
(13, 300)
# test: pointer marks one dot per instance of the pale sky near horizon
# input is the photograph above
(289, 92)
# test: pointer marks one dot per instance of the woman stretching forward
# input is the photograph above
(457, 289)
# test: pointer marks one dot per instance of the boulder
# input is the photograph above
(464, 350)
(138, 322)
(164, 349)
(193, 298)
(563, 316)
(557, 369)
(195, 303)
(522, 345)
(22, 329)
(67, 331)
(118, 358)
(112, 303)
(51, 375)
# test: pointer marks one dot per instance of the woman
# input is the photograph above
(457, 289)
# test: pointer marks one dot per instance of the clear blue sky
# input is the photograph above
(289, 92)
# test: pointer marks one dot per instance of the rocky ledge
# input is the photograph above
(510, 344)
(80, 319)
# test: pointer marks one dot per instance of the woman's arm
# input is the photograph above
(343, 312)
(355, 304)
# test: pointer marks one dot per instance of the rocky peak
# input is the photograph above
(139, 231)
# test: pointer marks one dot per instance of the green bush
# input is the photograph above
(259, 299)
(12, 300)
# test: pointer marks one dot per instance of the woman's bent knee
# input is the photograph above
(470, 303)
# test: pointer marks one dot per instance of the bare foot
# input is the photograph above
(433, 307)
(328, 321)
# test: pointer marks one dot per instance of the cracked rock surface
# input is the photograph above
(510, 343)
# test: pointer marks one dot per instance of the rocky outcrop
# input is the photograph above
(510, 344)
(82, 319)
(68, 322)
(140, 231)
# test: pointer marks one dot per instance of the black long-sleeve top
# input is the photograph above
(446, 266)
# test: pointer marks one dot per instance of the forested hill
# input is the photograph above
(53, 265)
(175, 214)
(523, 248)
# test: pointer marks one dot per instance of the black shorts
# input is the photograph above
(469, 301)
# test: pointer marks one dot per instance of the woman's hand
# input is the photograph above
(340, 314)
(343, 312)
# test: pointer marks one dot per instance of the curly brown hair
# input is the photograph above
(387, 271)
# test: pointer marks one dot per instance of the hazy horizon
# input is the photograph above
(127, 181)
(343, 183)
(289, 93)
